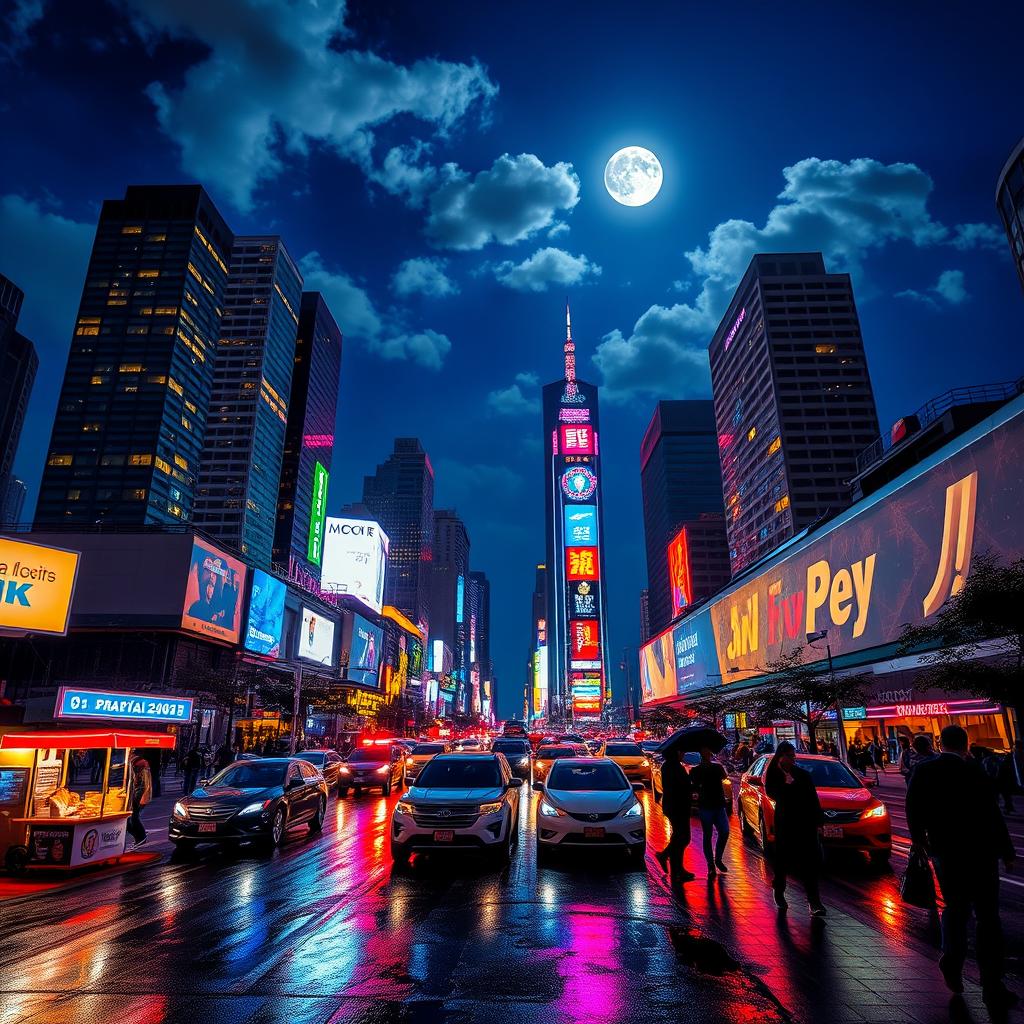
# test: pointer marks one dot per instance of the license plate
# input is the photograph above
(833, 831)
(208, 827)
(593, 833)
(444, 836)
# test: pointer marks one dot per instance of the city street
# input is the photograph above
(323, 930)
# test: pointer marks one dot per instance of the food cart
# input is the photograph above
(44, 821)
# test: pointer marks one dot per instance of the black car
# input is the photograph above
(251, 800)
(328, 761)
(373, 766)
(518, 753)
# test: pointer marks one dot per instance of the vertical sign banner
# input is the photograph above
(679, 578)
(317, 513)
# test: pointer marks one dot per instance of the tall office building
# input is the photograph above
(450, 604)
(400, 496)
(239, 478)
(577, 646)
(481, 671)
(537, 694)
(18, 365)
(131, 419)
(12, 500)
(681, 483)
(793, 400)
(309, 437)
(1010, 203)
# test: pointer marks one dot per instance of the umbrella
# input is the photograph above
(693, 737)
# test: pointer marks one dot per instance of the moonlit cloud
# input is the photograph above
(546, 267)
(949, 288)
(423, 276)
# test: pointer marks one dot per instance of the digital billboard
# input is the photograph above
(584, 599)
(316, 637)
(577, 440)
(355, 560)
(680, 581)
(37, 584)
(581, 564)
(581, 525)
(265, 625)
(213, 593)
(460, 598)
(317, 511)
(367, 646)
(658, 668)
(585, 639)
(579, 483)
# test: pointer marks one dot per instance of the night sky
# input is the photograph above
(437, 169)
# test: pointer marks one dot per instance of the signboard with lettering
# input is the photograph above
(317, 514)
(120, 706)
(37, 583)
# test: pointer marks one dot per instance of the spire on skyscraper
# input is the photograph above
(570, 358)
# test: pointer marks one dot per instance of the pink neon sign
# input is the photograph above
(735, 328)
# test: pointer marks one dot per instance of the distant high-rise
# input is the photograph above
(18, 365)
(12, 500)
(793, 400)
(131, 418)
(681, 482)
(450, 606)
(1010, 203)
(537, 695)
(240, 473)
(309, 437)
(400, 496)
(480, 666)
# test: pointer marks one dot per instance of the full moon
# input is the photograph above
(633, 176)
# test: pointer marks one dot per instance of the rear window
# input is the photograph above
(428, 748)
(514, 747)
(460, 773)
(371, 755)
(604, 776)
(552, 752)
(832, 774)
(623, 750)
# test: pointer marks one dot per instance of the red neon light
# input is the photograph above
(581, 564)
(317, 440)
(68, 739)
(680, 579)
(577, 440)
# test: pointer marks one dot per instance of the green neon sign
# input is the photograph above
(317, 514)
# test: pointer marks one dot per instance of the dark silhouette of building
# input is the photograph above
(537, 663)
(309, 436)
(131, 419)
(681, 483)
(1010, 203)
(481, 668)
(18, 365)
(793, 400)
(450, 603)
(12, 500)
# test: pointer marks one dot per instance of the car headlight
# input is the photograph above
(550, 811)
(875, 812)
(382, 769)
(180, 811)
(404, 807)
(345, 771)
(645, 763)
(255, 808)
(635, 810)
(491, 808)
(524, 762)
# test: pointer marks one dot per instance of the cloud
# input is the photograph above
(460, 480)
(978, 236)
(19, 20)
(845, 210)
(513, 400)
(949, 288)
(427, 348)
(276, 80)
(558, 228)
(515, 198)
(544, 267)
(421, 276)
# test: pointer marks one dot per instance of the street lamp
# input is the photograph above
(812, 639)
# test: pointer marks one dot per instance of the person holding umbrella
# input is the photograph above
(676, 798)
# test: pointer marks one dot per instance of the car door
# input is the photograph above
(750, 793)
(312, 777)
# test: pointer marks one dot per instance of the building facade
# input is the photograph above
(1010, 203)
(537, 664)
(309, 438)
(130, 424)
(793, 401)
(12, 500)
(481, 669)
(240, 472)
(681, 481)
(18, 365)
(450, 604)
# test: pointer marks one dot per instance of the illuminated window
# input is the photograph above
(187, 424)
(824, 350)
(752, 433)
(149, 273)
(90, 428)
(59, 460)
(134, 494)
(156, 238)
(129, 389)
(181, 462)
(782, 504)
(175, 386)
(97, 380)
(166, 310)
(74, 495)
(175, 510)
(92, 331)
(130, 368)
(775, 446)
(117, 302)
(191, 406)
(131, 229)
(146, 311)
(163, 466)
(138, 330)
(89, 320)
(140, 459)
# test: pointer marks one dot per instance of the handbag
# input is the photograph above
(917, 886)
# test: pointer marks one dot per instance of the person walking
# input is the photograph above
(139, 794)
(954, 818)
(708, 782)
(676, 798)
(192, 764)
(797, 819)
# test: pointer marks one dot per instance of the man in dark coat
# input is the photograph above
(954, 818)
(677, 795)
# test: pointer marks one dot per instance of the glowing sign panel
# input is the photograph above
(579, 483)
(574, 415)
(680, 580)
(581, 525)
(581, 564)
(577, 440)
(585, 633)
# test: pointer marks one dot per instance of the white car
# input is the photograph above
(590, 802)
(459, 802)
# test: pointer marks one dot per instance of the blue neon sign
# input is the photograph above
(125, 707)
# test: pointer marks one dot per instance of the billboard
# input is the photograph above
(355, 560)
(316, 637)
(37, 584)
(579, 483)
(658, 668)
(213, 593)
(577, 440)
(581, 564)
(584, 599)
(367, 647)
(581, 525)
(116, 705)
(265, 625)
(460, 597)
(680, 581)
(317, 511)
(585, 639)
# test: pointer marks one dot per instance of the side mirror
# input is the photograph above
(538, 787)
(514, 783)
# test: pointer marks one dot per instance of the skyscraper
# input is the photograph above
(681, 482)
(1010, 203)
(240, 472)
(537, 694)
(450, 606)
(793, 400)
(481, 672)
(400, 496)
(12, 500)
(18, 365)
(309, 436)
(576, 622)
(131, 419)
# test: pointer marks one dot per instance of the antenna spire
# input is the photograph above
(570, 357)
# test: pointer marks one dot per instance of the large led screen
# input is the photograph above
(265, 624)
(37, 584)
(355, 560)
(213, 593)
(316, 637)
(367, 645)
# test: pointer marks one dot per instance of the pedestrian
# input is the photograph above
(999, 768)
(879, 756)
(954, 818)
(906, 761)
(676, 798)
(224, 757)
(798, 817)
(192, 764)
(708, 782)
(139, 794)
(921, 750)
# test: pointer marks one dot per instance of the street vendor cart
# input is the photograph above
(49, 821)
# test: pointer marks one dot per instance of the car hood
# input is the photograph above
(590, 801)
(421, 795)
(226, 795)
(843, 799)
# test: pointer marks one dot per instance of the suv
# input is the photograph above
(372, 766)
(517, 752)
(460, 801)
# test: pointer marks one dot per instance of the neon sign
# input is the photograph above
(574, 415)
(579, 483)
(735, 327)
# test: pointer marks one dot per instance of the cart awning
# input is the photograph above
(86, 739)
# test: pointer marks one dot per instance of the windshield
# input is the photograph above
(829, 773)
(316, 757)
(253, 775)
(623, 750)
(511, 749)
(459, 773)
(428, 748)
(370, 755)
(547, 753)
(601, 775)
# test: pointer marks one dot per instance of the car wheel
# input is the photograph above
(399, 854)
(880, 858)
(385, 790)
(317, 821)
(762, 834)
(276, 828)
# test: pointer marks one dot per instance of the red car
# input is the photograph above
(854, 819)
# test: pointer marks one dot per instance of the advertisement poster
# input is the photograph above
(355, 560)
(585, 635)
(98, 842)
(13, 785)
(679, 581)
(50, 844)
(119, 705)
(266, 615)
(577, 440)
(581, 564)
(658, 668)
(213, 593)
(316, 637)
(317, 511)
(581, 525)
(37, 584)
(367, 645)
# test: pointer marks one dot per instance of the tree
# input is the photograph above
(975, 642)
(800, 692)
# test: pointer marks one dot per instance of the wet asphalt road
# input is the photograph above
(323, 930)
